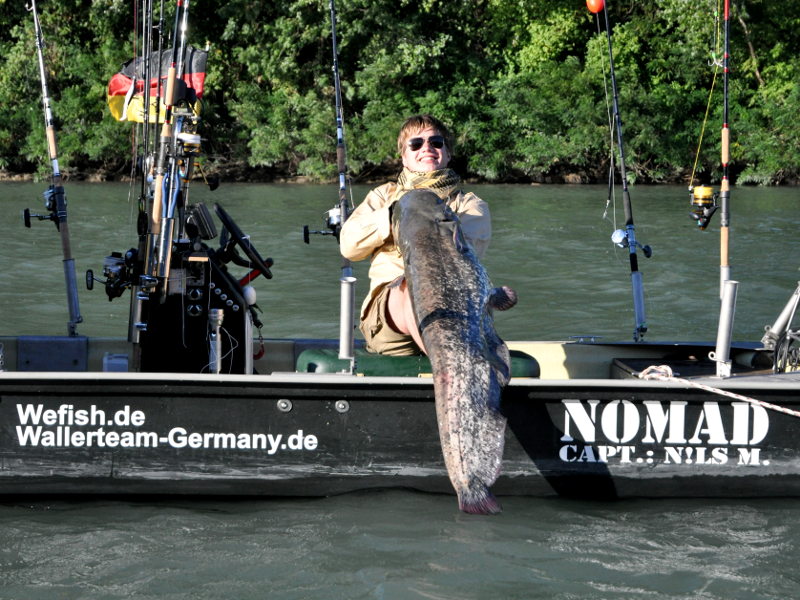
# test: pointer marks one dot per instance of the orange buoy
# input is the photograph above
(595, 6)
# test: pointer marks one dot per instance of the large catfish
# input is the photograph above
(452, 299)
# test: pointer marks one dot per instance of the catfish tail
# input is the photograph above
(478, 500)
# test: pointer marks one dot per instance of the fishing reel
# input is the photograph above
(703, 200)
(120, 272)
(333, 221)
(620, 238)
(786, 357)
(54, 196)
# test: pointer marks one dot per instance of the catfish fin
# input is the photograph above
(502, 298)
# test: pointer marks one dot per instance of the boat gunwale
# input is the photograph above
(766, 381)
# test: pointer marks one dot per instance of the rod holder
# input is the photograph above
(783, 322)
(727, 309)
(215, 316)
(164, 247)
(346, 320)
(72, 297)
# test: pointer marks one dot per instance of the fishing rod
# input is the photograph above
(165, 95)
(336, 216)
(704, 203)
(179, 142)
(625, 238)
(704, 200)
(727, 286)
(341, 150)
(725, 139)
(162, 221)
(143, 156)
(55, 197)
(147, 52)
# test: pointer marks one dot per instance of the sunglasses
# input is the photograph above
(436, 141)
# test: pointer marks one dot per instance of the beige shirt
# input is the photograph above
(368, 233)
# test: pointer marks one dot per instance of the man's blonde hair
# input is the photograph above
(417, 123)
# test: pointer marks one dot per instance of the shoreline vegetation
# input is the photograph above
(522, 84)
(244, 174)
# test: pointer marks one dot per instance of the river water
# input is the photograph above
(552, 244)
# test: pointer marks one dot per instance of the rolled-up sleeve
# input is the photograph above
(368, 227)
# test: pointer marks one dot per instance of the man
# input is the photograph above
(387, 318)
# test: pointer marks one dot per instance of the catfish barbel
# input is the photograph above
(452, 299)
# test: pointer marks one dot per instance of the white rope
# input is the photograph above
(664, 373)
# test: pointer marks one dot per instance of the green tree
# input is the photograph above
(524, 84)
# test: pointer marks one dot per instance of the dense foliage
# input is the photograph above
(523, 82)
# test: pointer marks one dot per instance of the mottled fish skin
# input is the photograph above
(452, 296)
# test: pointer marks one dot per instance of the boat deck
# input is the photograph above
(558, 360)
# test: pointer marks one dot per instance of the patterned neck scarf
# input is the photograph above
(442, 183)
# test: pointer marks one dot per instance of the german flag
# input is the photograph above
(126, 88)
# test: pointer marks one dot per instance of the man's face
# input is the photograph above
(426, 156)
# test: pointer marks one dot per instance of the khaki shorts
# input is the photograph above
(380, 337)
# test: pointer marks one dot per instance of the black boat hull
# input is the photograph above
(319, 435)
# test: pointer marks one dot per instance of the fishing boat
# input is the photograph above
(195, 402)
